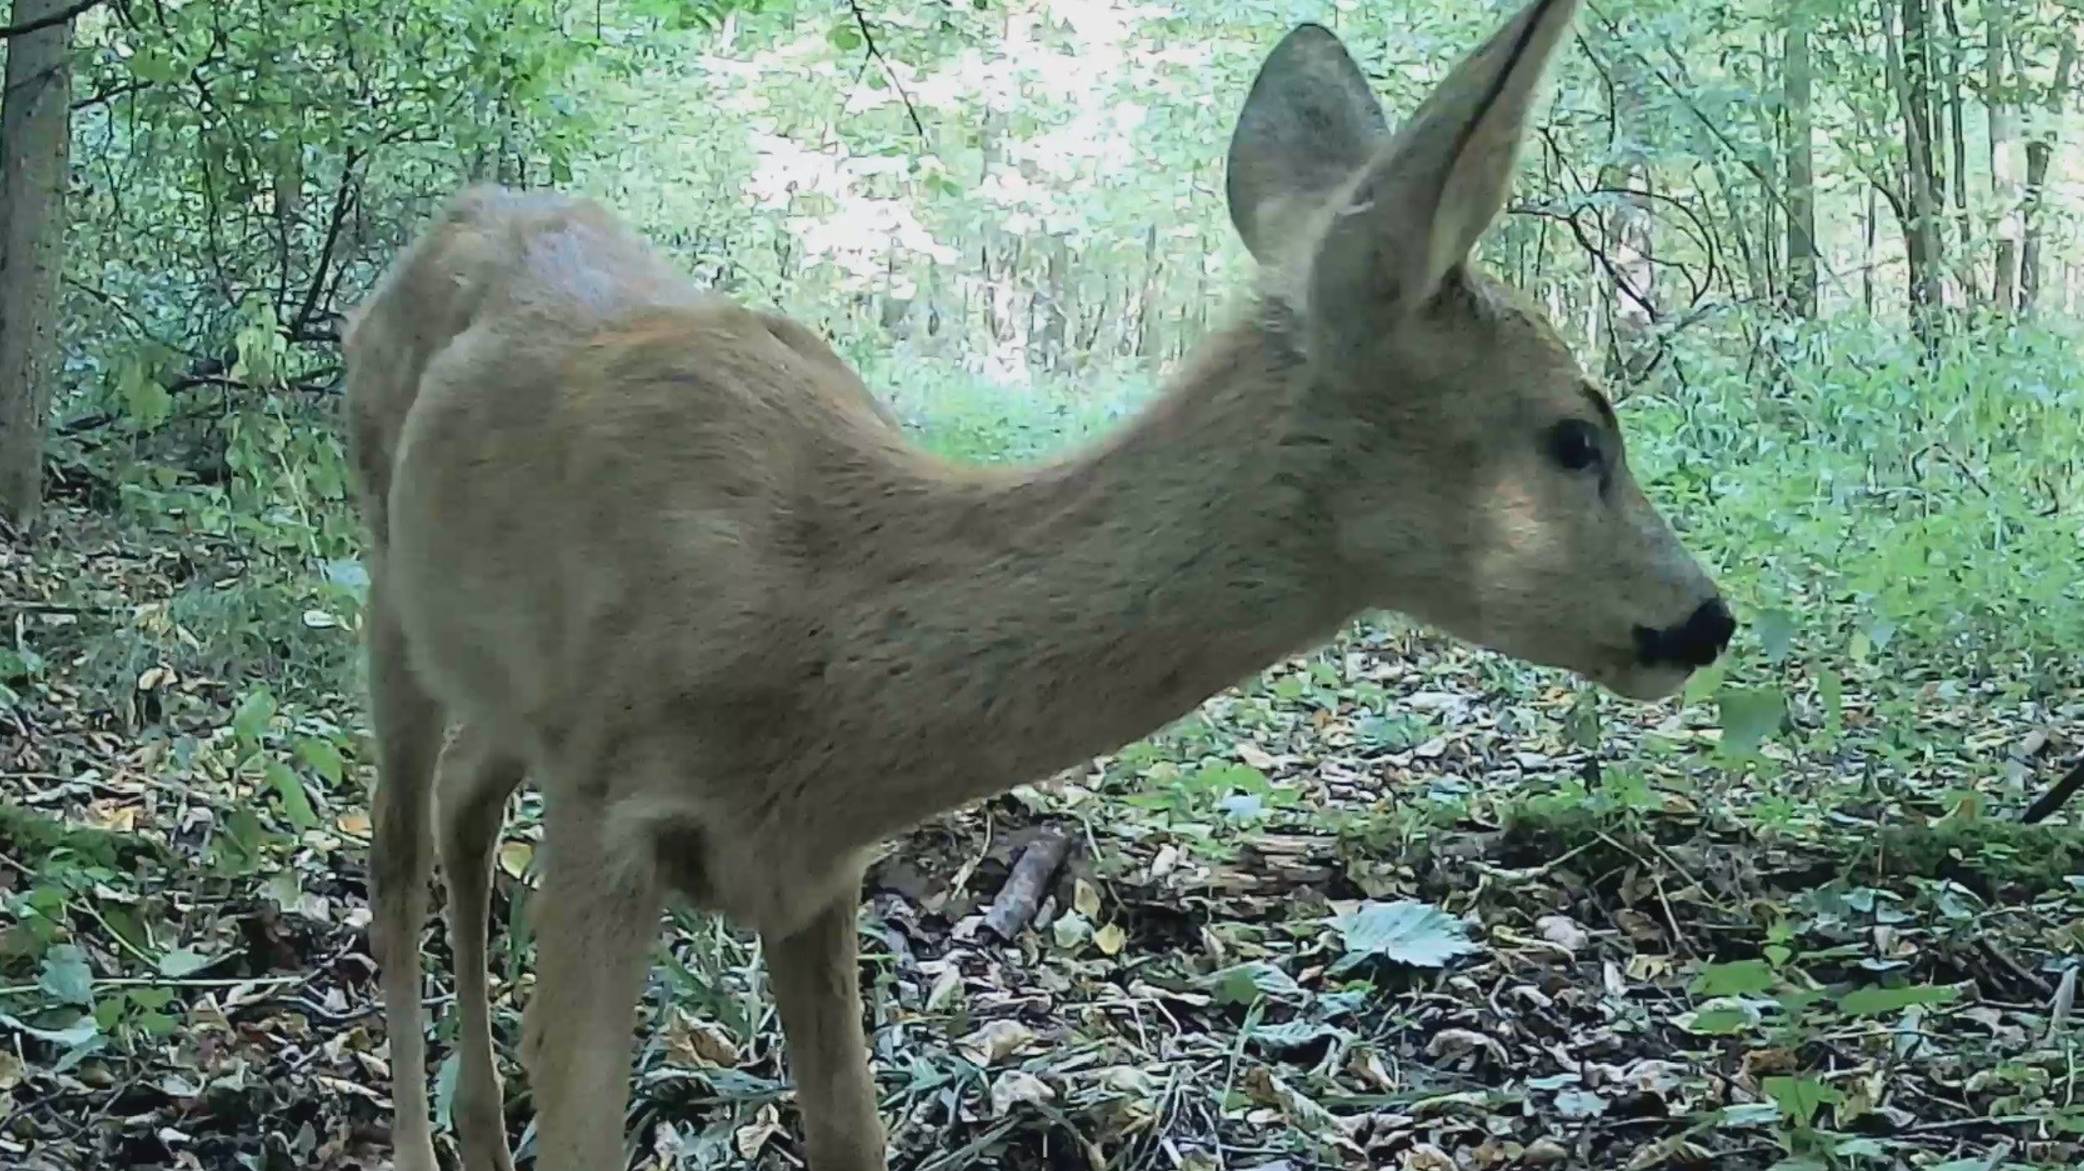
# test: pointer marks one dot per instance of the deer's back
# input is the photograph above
(556, 433)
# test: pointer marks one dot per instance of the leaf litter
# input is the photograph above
(1388, 905)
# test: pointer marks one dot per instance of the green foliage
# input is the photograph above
(1894, 516)
(1402, 932)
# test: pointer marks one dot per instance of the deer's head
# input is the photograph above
(1483, 483)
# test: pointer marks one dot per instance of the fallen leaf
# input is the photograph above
(1407, 932)
(1563, 931)
(750, 1138)
(1427, 1157)
(1017, 1087)
(514, 858)
(945, 987)
(995, 1042)
(1448, 1044)
(1110, 939)
(1544, 1152)
(1085, 899)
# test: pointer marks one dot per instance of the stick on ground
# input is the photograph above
(1021, 897)
(2053, 799)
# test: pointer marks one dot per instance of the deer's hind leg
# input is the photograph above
(817, 987)
(408, 723)
(476, 779)
(596, 918)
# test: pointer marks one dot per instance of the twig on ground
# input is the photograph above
(1021, 897)
(2054, 798)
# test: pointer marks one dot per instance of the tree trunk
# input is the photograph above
(2040, 152)
(2004, 155)
(1867, 256)
(1147, 295)
(1628, 230)
(1056, 293)
(1911, 70)
(1957, 141)
(1796, 82)
(35, 126)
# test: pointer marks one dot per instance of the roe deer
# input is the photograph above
(668, 556)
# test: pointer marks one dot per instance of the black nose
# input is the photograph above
(1692, 643)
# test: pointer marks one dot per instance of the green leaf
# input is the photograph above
(146, 404)
(1406, 932)
(183, 962)
(1749, 715)
(1776, 633)
(66, 976)
(845, 36)
(1877, 1001)
(1290, 1036)
(250, 722)
(1719, 1022)
(150, 999)
(1748, 1114)
(322, 757)
(1246, 983)
(1581, 723)
(1740, 978)
(1225, 777)
(1707, 681)
(296, 803)
(445, 1076)
(82, 1030)
(1800, 1098)
(1830, 693)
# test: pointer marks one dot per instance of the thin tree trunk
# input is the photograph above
(1056, 314)
(1867, 255)
(35, 126)
(1632, 299)
(1957, 139)
(2004, 155)
(1146, 296)
(1757, 284)
(2040, 152)
(1796, 81)
(1911, 70)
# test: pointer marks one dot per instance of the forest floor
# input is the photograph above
(1396, 904)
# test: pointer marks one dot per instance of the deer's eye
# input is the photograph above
(1574, 444)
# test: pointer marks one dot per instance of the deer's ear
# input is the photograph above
(1309, 125)
(1425, 201)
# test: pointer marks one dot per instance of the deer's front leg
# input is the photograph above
(817, 988)
(598, 918)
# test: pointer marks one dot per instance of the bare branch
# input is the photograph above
(2056, 796)
(10, 32)
(343, 201)
(868, 39)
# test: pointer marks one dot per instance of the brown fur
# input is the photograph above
(667, 555)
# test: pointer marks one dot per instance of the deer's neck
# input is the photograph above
(1026, 621)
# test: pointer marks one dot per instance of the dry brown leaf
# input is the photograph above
(1448, 1044)
(1085, 899)
(1111, 939)
(1427, 1157)
(995, 1042)
(1017, 1087)
(1563, 931)
(1544, 1152)
(750, 1138)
